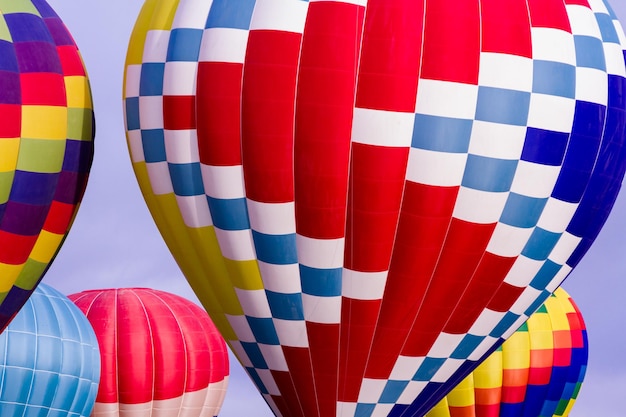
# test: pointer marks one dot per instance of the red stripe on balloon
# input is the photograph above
(463, 249)
(549, 14)
(299, 390)
(391, 55)
(374, 198)
(452, 41)
(219, 113)
(268, 97)
(424, 223)
(324, 110)
(488, 277)
(356, 340)
(506, 27)
(324, 346)
(179, 112)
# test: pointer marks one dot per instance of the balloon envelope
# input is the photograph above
(161, 354)
(49, 359)
(537, 372)
(369, 196)
(46, 144)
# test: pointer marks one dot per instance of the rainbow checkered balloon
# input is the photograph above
(46, 144)
(368, 196)
(537, 372)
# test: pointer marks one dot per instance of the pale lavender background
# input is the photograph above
(114, 242)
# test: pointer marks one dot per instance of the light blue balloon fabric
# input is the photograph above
(49, 359)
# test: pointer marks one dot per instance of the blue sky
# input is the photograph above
(114, 242)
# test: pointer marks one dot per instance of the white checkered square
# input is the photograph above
(346, 409)
(291, 333)
(179, 78)
(614, 59)
(191, 14)
(564, 248)
(363, 285)
(526, 299)
(435, 168)
(151, 112)
(523, 271)
(534, 180)
(449, 367)
(497, 140)
(272, 218)
(551, 112)
(556, 215)
(320, 253)
(274, 357)
(448, 99)
(160, 180)
(223, 182)
(280, 15)
(598, 6)
(382, 410)
(382, 128)
(371, 390)
(508, 241)
(444, 345)
(405, 368)
(236, 245)
(412, 390)
(592, 85)
(506, 71)
(195, 210)
(254, 303)
(135, 145)
(325, 310)
(181, 146)
(156, 44)
(478, 206)
(583, 21)
(280, 278)
(486, 322)
(224, 45)
(242, 330)
(268, 381)
(133, 75)
(553, 45)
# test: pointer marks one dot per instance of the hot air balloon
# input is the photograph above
(49, 359)
(537, 372)
(46, 144)
(369, 196)
(161, 354)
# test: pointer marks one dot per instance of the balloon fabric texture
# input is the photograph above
(161, 354)
(49, 359)
(537, 372)
(369, 196)
(46, 144)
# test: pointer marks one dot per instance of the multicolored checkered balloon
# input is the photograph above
(46, 144)
(537, 372)
(368, 196)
